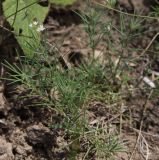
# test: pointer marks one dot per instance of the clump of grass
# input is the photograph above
(69, 93)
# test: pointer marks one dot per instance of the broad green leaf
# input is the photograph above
(28, 12)
(63, 2)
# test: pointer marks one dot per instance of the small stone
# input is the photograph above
(40, 135)
(5, 150)
(23, 150)
(3, 105)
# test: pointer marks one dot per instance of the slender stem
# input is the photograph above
(125, 13)
(141, 124)
(21, 10)
(148, 46)
(16, 11)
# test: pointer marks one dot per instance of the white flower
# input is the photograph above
(149, 82)
(109, 27)
(35, 23)
(40, 28)
(30, 25)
